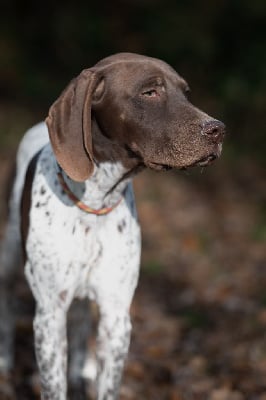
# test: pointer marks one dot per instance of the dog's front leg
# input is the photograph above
(51, 351)
(113, 341)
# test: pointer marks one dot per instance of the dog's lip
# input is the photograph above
(201, 162)
(159, 166)
(204, 161)
(209, 158)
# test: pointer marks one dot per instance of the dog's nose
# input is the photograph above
(214, 130)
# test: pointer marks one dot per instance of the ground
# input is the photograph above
(199, 313)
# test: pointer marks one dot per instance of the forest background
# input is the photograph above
(199, 314)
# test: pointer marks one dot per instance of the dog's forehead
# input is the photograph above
(136, 65)
(129, 58)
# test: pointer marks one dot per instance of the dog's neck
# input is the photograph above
(113, 170)
(107, 149)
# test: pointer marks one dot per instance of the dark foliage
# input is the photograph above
(218, 46)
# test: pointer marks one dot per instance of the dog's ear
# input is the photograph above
(69, 125)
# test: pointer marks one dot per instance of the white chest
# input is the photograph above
(71, 251)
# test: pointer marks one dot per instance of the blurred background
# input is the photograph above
(199, 315)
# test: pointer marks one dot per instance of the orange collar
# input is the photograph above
(79, 204)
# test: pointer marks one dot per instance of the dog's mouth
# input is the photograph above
(157, 166)
(153, 165)
(209, 158)
(202, 162)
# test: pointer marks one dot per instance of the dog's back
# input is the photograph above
(34, 139)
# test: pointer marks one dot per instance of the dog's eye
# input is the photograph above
(187, 92)
(150, 93)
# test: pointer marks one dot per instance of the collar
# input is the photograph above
(80, 204)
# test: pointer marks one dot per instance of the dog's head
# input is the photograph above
(140, 104)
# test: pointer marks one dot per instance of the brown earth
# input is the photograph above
(199, 313)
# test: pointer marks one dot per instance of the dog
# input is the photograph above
(72, 208)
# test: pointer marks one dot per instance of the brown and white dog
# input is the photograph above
(79, 225)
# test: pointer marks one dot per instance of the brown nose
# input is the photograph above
(214, 130)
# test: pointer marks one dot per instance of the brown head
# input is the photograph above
(139, 106)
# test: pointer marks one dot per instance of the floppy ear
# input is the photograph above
(69, 125)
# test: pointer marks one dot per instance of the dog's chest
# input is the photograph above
(71, 248)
